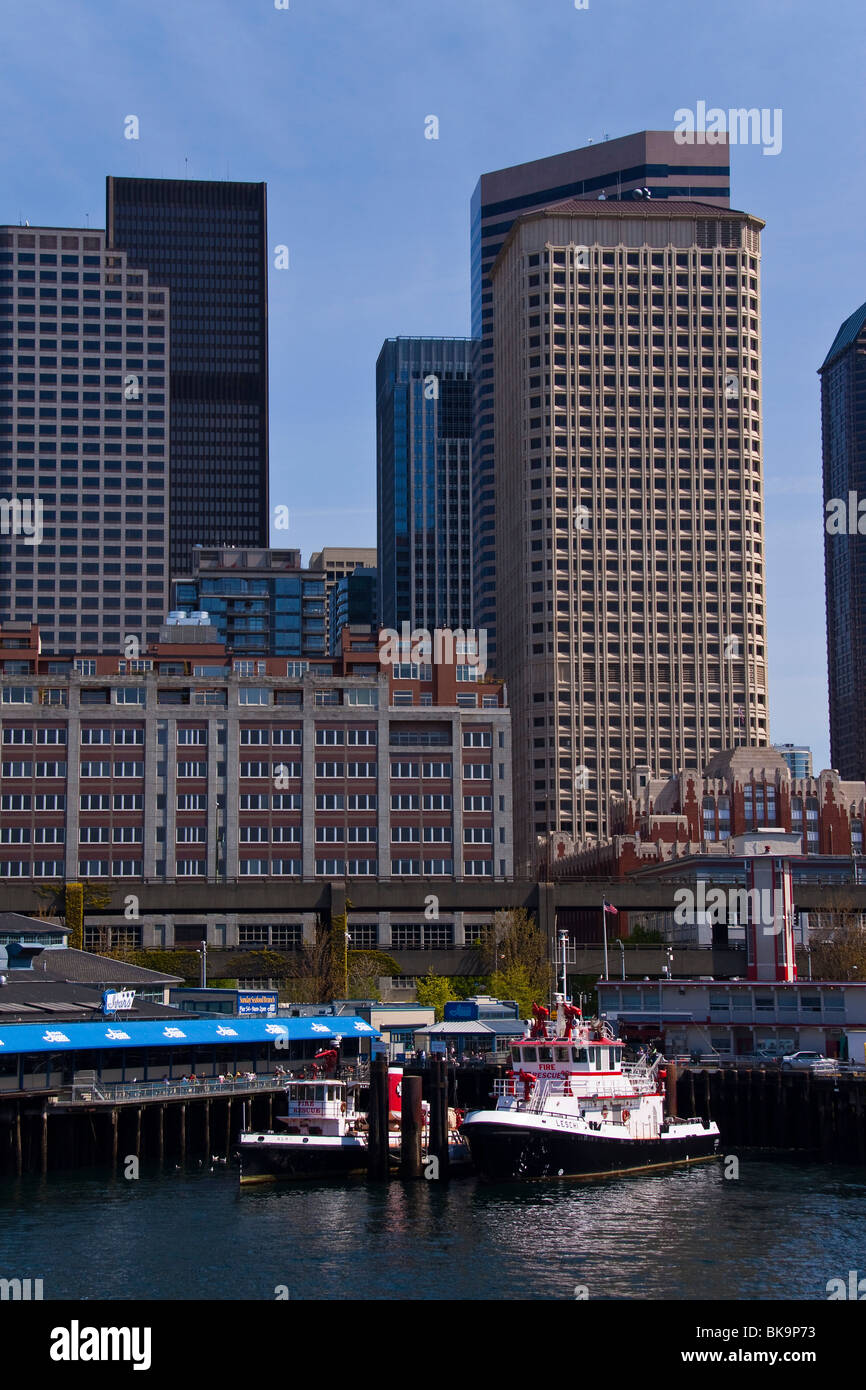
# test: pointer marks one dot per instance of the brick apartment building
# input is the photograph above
(189, 764)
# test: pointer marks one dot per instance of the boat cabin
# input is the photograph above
(319, 1107)
(547, 1057)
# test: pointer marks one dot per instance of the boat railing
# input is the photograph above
(641, 1076)
(540, 1092)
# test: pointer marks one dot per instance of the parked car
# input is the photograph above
(807, 1060)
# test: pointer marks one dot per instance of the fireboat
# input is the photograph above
(572, 1108)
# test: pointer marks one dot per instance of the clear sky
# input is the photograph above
(326, 100)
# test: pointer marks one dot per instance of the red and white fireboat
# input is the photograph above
(572, 1108)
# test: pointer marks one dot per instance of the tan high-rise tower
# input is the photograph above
(628, 499)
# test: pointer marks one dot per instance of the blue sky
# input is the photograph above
(326, 101)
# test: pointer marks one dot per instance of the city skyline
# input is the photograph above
(380, 168)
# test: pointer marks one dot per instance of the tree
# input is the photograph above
(365, 970)
(71, 901)
(838, 949)
(516, 955)
(434, 991)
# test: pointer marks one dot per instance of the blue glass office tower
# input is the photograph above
(423, 464)
(352, 601)
(650, 163)
(843, 411)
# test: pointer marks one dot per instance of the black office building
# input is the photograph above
(207, 242)
(843, 412)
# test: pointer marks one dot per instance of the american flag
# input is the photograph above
(609, 907)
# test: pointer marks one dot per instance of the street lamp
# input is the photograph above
(203, 954)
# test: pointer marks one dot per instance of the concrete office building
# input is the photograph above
(207, 241)
(648, 164)
(84, 406)
(843, 420)
(628, 499)
(423, 481)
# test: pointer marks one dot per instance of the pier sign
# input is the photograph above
(257, 1003)
(115, 1000)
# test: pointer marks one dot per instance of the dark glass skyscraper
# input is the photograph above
(649, 164)
(423, 459)
(207, 242)
(843, 411)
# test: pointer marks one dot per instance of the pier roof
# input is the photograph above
(179, 1031)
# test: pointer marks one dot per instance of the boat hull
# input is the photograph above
(513, 1153)
(275, 1162)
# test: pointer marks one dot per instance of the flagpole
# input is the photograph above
(604, 930)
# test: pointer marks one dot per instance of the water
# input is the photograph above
(778, 1232)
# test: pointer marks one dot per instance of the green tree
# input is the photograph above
(516, 956)
(434, 991)
(365, 970)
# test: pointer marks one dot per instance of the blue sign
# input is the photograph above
(257, 1003)
(459, 1011)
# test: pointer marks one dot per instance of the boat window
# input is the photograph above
(603, 1063)
(515, 1054)
(563, 1054)
(544, 1054)
(595, 1057)
(580, 1056)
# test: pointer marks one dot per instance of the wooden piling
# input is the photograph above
(207, 1131)
(137, 1144)
(377, 1146)
(43, 1145)
(671, 1087)
(410, 1128)
(19, 1166)
(113, 1121)
(182, 1109)
(160, 1134)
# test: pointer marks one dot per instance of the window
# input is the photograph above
(129, 695)
(477, 738)
(93, 868)
(253, 695)
(361, 769)
(362, 834)
(362, 697)
(405, 769)
(477, 835)
(91, 802)
(406, 867)
(127, 835)
(188, 801)
(286, 737)
(437, 801)
(436, 769)
(478, 868)
(286, 834)
(187, 737)
(329, 834)
(137, 769)
(360, 868)
(129, 736)
(363, 802)
(405, 834)
(95, 735)
(191, 834)
(249, 868)
(330, 770)
(15, 803)
(18, 736)
(286, 868)
(189, 769)
(403, 801)
(251, 769)
(190, 868)
(330, 737)
(287, 801)
(333, 868)
(478, 803)
(253, 835)
(126, 868)
(330, 801)
(95, 769)
(479, 772)
(362, 736)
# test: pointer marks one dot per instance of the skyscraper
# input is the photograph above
(843, 415)
(208, 243)
(423, 458)
(335, 562)
(649, 164)
(628, 499)
(84, 362)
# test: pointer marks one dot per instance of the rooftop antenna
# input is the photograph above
(186, 166)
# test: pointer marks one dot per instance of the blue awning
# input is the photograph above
(70, 1037)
